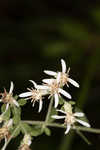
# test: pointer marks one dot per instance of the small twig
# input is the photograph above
(79, 128)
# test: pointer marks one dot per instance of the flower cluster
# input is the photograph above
(54, 88)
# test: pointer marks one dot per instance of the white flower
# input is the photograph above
(7, 97)
(64, 75)
(55, 90)
(35, 94)
(70, 118)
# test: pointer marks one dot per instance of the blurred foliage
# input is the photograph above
(35, 35)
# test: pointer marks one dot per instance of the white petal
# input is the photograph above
(25, 94)
(40, 105)
(61, 111)
(68, 128)
(48, 81)
(16, 103)
(56, 100)
(7, 106)
(58, 77)
(63, 66)
(73, 82)
(57, 117)
(78, 114)
(66, 94)
(83, 123)
(42, 87)
(52, 73)
(34, 83)
(11, 87)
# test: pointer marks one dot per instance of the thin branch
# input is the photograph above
(79, 128)
(49, 110)
(92, 130)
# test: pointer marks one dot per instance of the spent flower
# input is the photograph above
(7, 97)
(4, 130)
(26, 142)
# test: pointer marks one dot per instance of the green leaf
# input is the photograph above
(32, 130)
(61, 101)
(72, 102)
(47, 131)
(7, 114)
(15, 132)
(16, 111)
(36, 131)
(16, 97)
(22, 102)
(25, 128)
(3, 108)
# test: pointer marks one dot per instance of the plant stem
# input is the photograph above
(79, 128)
(49, 110)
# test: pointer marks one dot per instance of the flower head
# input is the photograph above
(4, 130)
(70, 118)
(36, 95)
(55, 90)
(7, 97)
(26, 142)
(64, 75)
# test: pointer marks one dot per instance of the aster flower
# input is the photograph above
(55, 90)
(64, 75)
(70, 118)
(7, 97)
(26, 142)
(36, 95)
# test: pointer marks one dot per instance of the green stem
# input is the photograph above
(79, 128)
(49, 110)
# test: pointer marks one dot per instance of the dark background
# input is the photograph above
(35, 35)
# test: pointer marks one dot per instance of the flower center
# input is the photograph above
(54, 87)
(63, 79)
(70, 119)
(36, 95)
